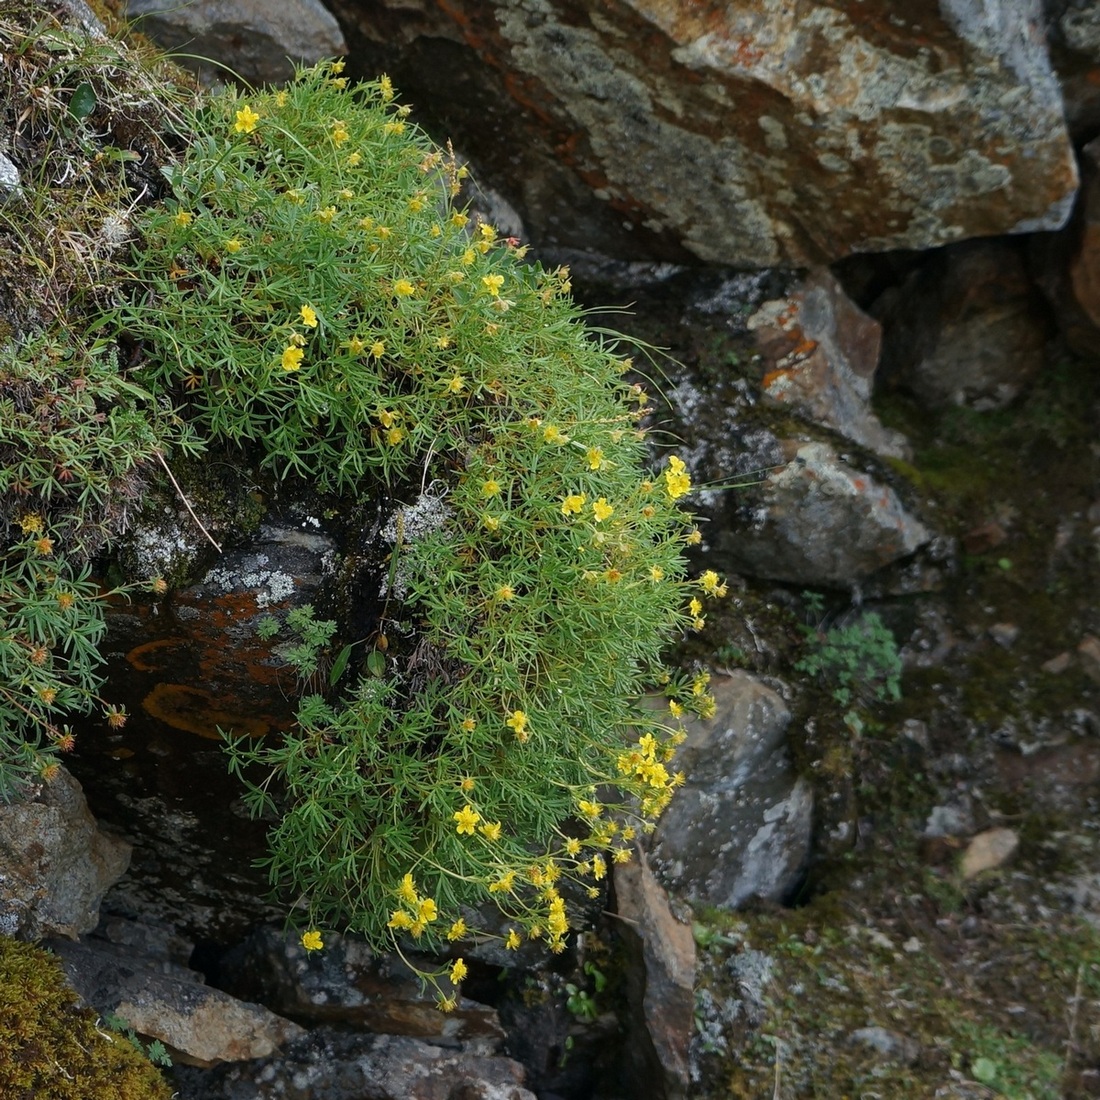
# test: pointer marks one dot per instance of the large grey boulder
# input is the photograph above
(258, 41)
(751, 133)
(55, 862)
(740, 827)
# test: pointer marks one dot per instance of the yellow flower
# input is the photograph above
(490, 488)
(621, 855)
(293, 195)
(694, 537)
(31, 523)
(394, 436)
(184, 217)
(233, 245)
(490, 523)
(386, 418)
(487, 231)
(589, 809)
(458, 971)
(407, 890)
(710, 584)
(393, 128)
(466, 818)
(492, 283)
(339, 132)
(707, 707)
(468, 257)
(312, 941)
(599, 867)
(399, 919)
(309, 317)
(336, 67)
(554, 434)
(246, 120)
(601, 509)
(504, 884)
(355, 345)
(340, 82)
(354, 159)
(385, 88)
(326, 215)
(699, 683)
(458, 220)
(593, 891)
(416, 204)
(677, 481)
(456, 384)
(517, 721)
(469, 725)
(595, 458)
(656, 573)
(446, 1004)
(572, 846)
(378, 349)
(699, 622)
(506, 592)
(443, 342)
(675, 709)
(403, 288)
(695, 607)
(457, 930)
(513, 941)
(426, 911)
(572, 504)
(292, 358)
(490, 830)
(281, 99)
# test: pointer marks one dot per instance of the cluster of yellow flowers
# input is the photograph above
(416, 914)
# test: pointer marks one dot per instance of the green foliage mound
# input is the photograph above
(310, 292)
(50, 1049)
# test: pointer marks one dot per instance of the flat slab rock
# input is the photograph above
(199, 1025)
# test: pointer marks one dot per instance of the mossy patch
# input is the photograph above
(52, 1050)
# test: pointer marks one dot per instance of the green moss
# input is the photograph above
(52, 1050)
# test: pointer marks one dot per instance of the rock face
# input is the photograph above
(258, 41)
(349, 985)
(967, 328)
(332, 1065)
(820, 353)
(663, 964)
(1084, 269)
(740, 827)
(751, 133)
(55, 862)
